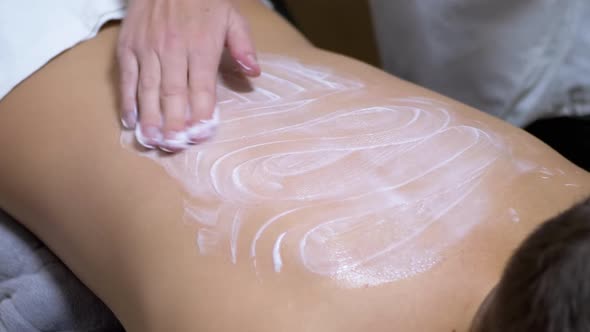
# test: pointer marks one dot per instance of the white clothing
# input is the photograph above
(517, 59)
(32, 32)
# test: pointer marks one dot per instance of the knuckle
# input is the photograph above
(148, 82)
(150, 43)
(203, 90)
(128, 108)
(170, 40)
(203, 58)
(124, 53)
(145, 53)
(125, 46)
(172, 90)
(128, 76)
(128, 100)
(173, 37)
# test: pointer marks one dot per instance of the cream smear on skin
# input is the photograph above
(365, 194)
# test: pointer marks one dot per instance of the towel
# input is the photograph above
(39, 293)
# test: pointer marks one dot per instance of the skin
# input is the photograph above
(168, 55)
(116, 218)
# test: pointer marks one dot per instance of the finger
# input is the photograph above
(174, 101)
(203, 68)
(128, 79)
(148, 132)
(240, 45)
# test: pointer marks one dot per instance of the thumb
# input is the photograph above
(240, 45)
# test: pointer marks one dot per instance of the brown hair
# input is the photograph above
(546, 284)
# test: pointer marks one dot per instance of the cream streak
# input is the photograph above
(368, 193)
(276, 252)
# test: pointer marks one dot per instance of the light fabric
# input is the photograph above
(39, 294)
(519, 60)
(32, 32)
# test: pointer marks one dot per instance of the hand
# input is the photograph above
(168, 53)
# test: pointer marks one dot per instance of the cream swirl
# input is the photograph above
(364, 194)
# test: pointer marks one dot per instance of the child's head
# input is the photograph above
(546, 284)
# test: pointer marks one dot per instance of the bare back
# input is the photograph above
(333, 198)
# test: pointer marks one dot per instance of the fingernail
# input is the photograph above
(149, 137)
(250, 66)
(174, 142)
(129, 120)
(245, 67)
(204, 129)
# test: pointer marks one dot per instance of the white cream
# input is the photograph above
(514, 215)
(364, 194)
(276, 252)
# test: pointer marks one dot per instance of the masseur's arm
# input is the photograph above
(169, 52)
